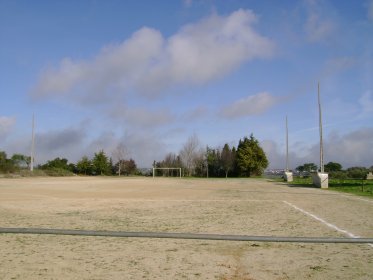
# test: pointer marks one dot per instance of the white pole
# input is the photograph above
(32, 144)
(320, 128)
(287, 146)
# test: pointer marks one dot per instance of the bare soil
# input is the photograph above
(234, 206)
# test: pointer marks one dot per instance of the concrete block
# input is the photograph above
(288, 176)
(320, 180)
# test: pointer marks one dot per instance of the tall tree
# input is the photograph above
(6, 165)
(226, 159)
(129, 167)
(189, 153)
(213, 161)
(84, 166)
(251, 158)
(119, 155)
(235, 170)
(101, 164)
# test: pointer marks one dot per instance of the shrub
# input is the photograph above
(58, 172)
(338, 175)
(357, 172)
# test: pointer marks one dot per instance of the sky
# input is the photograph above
(150, 74)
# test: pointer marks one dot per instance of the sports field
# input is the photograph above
(251, 207)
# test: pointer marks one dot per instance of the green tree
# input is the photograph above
(235, 169)
(129, 167)
(84, 166)
(251, 159)
(213, 162)
(101, 164)
(21, 161)
(332, 167)
(6, 165)
(357, 172)
(307, 167)
(226, 159)
(57, 163)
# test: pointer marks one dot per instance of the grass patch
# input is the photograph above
(354, 186)
(358, 187)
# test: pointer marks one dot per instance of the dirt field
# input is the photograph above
(237, 206)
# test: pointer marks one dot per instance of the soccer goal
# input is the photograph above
(167, 171)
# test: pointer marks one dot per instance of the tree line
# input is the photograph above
(14, 163)
(336, 171)
(247, 160)
(100, 164)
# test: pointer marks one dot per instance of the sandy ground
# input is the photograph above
(236, 206)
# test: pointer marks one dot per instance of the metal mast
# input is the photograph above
(32, 144)
(287, 146)
(320, 128)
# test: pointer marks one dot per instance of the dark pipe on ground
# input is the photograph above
(197, 236)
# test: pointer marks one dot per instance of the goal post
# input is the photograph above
(167, 168)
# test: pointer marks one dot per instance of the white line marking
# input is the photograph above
(325, 222)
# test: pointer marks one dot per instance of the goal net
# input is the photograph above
(167, 171)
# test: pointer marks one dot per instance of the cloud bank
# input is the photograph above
(251, 105)
(6, 124)
(318, 26)
(351, 149)
(149, 63)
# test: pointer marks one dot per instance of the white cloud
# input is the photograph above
(143, 146)
(251, 105)
(6, 124)
(337, 64)
(277, 156)
(141, 116)
(149, 63)
(351, 149)
(318, 26)
(195, 114)
(116, 67)
(215, 46)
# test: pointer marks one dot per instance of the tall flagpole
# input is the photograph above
(320, 128)
(32, 143)
(287, 146)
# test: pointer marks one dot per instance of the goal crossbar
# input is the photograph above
(167, 168)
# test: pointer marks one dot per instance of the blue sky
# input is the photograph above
(150, 74)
